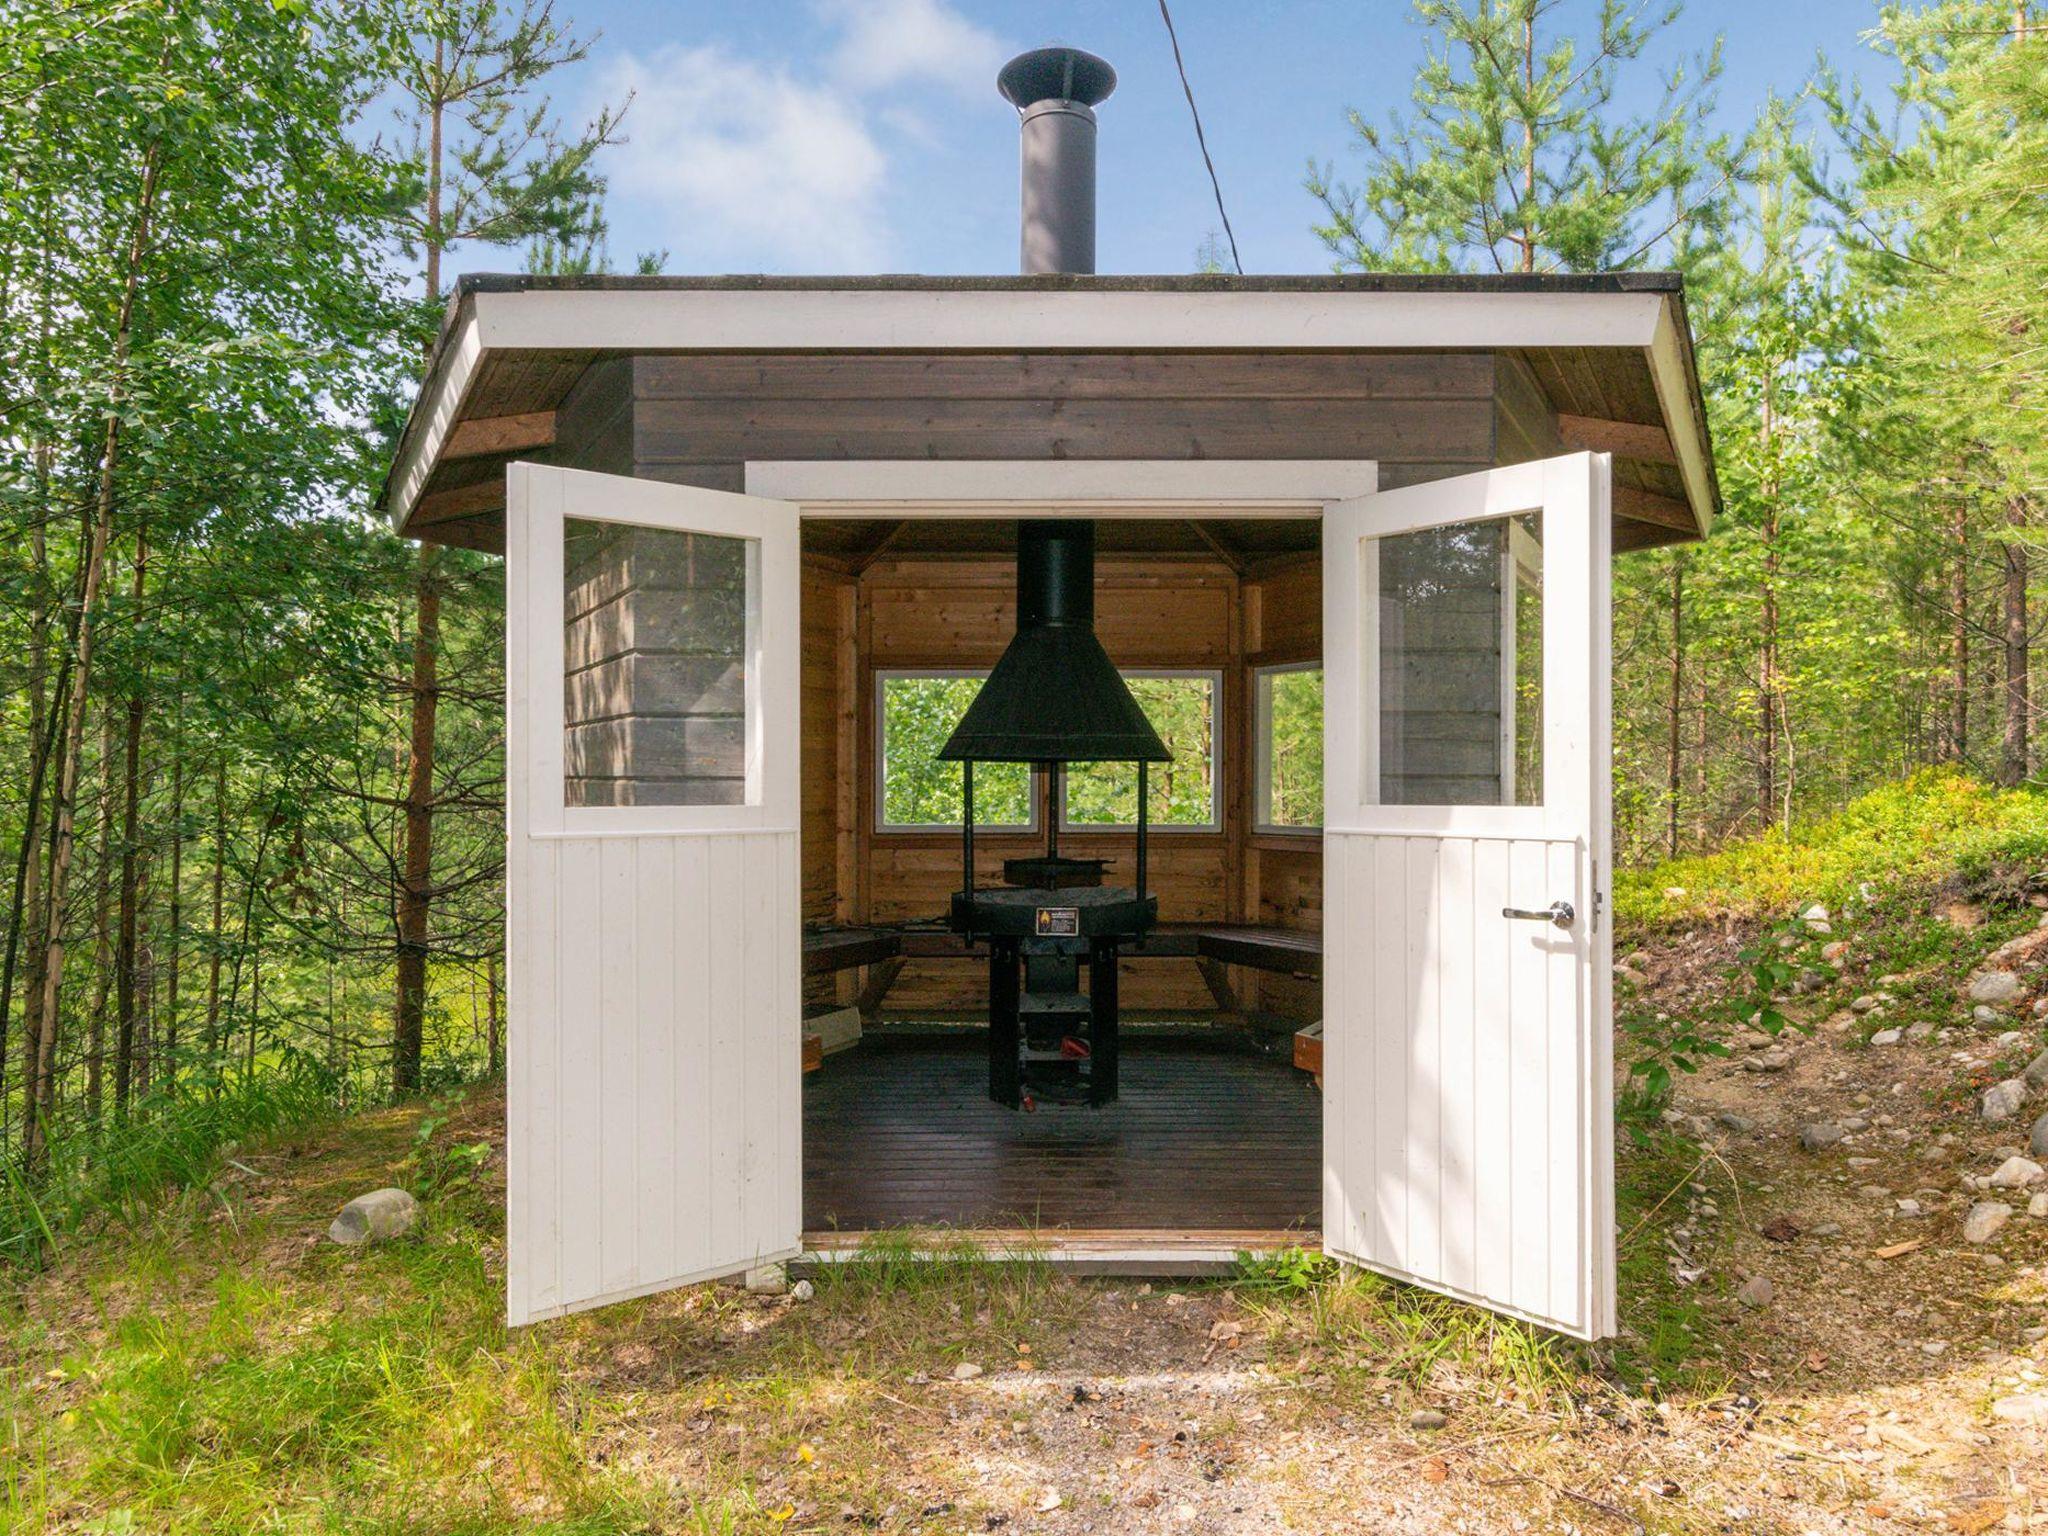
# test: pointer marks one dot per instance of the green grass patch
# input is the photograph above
(1935, 826)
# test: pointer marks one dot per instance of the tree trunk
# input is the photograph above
(102, 931)
(2013, 755)
(1674, 749)
(1958, 743)
(496, 1045)
(416, 887)
(64, 831)
(1767, 628)
(218, 927)
(176, 936)
(127, 955)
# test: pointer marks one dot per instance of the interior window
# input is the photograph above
(1287, 703)
(1182, 707)
(1460, 674)
(914, 714)
(657, 626)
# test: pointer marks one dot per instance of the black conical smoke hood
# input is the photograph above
(1054, 697)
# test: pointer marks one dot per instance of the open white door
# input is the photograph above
(654, 1061)
(1467, 1066)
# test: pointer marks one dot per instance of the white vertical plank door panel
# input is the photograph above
(1467, 1069)
(654, 1053)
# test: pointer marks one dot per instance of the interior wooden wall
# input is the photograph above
(1283, 871)
(927, 612)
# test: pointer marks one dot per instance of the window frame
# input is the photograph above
(882, 826)
(1261, 740)
(1217, 764)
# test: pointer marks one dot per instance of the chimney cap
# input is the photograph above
(1055, 74)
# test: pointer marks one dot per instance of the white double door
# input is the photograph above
(654, 1059)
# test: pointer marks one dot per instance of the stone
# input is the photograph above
(2036, 1075)
(1887, 1037)
(1984, 1016)
(1776, 1059)
(802, 1291)
(1820, 1135)
(2037, 1138)
(1827, 1229)
(1834, 949)
(2038, 1206)
(1919, 1031)
(1911, 1207)
(2022, 1408)
(1865, 1003)
(1427, 1418)
(1756, 1292)
(1816, 919)
(2017, 1173)
(1986, 1220)
(1995, 987)
(966, 1370)
(372, 1218)
(2001, 1101)
(1728, 1120)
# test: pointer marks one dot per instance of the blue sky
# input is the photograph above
(866, 135)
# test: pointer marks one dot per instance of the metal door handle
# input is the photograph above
(1559, 912)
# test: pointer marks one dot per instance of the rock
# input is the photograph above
(1756, 1292)
(2038, 1206)
(803, 1290)
(1781, 1229)
(1820, 1135)
(2016, 1173)
(1674, 892)
(2036, 1075)
(1865, 1003)
(966, 1370)
(2022, 1408)
(1827, 1229)
(1887, 1037)
(1986, 1219)
(1629, 977)
(1815, 918)
(1919, 1031)
(1995, 987)
(2037, 1138)
(371, 1218)
(1834, 949)
(1984, 1016)
(1911, 1207)
(1427, 1418)
(2001, 1101)
(1728, 1120)
(1776, 1059)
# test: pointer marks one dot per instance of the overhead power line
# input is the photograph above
(1200, 138)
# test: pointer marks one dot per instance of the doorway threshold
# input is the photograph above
(1082, 1251)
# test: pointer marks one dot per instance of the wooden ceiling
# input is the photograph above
(1242, 543)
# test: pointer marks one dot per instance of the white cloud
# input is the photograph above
(889, 43)
(755, 167)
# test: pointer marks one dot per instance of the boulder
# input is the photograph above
(1986, 1220)
(1756, 1292)
(1820, 1135)
(1995, 987)
(2037, 1139)
(2036, 1075)
(2001, 1101)
(2016, 1173)
(371, 1218)
(2038, 1206)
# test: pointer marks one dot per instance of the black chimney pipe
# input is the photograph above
(1055, 696)
(1055, 92)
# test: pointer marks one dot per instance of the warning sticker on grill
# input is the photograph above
(1059, 922)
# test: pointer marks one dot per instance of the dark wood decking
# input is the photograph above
(1204, 1138)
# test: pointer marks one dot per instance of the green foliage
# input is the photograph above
(1519, 158)
(1182, 792)
(1914, 833)
(433, 1165)
(1291, 716)
(1291, 1271)
(918, 714)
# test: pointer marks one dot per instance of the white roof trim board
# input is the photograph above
(981, 318)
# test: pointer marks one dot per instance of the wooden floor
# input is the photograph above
(1204, 1138)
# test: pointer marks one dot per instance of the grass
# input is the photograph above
(1935, 826)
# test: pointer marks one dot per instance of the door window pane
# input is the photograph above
(915, 714)
(657, 627)
(1460, 664)
(1182, 792)
(1289, 713)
